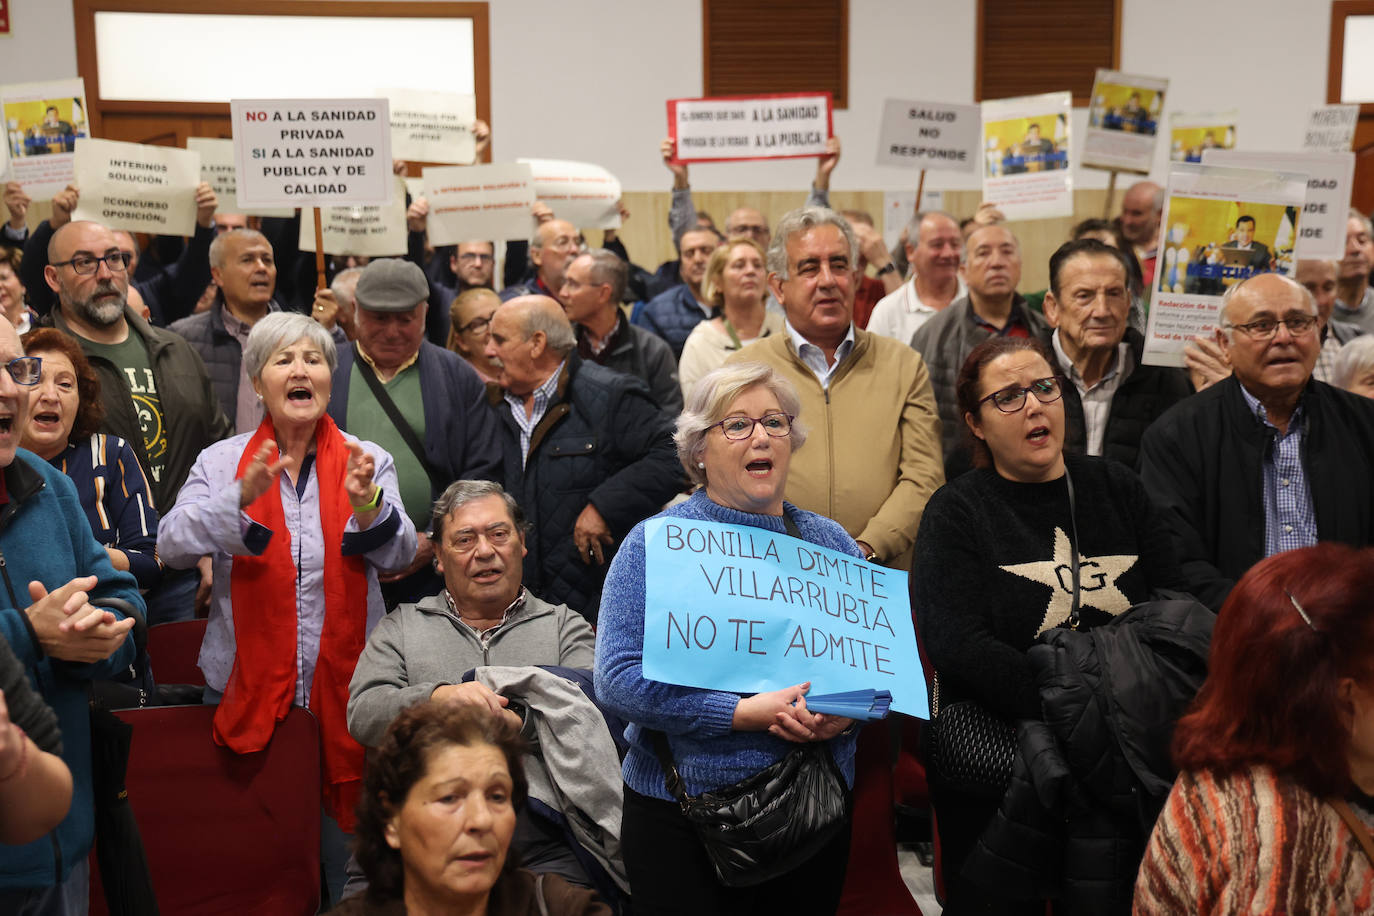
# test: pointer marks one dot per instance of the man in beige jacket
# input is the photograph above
(873, 455)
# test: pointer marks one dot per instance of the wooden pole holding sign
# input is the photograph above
(920, 190)
(1111, 192)
(319, 252)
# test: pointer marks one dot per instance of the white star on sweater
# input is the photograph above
(1097, 578)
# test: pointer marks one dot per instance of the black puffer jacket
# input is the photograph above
(602, 441)
(1091, 777)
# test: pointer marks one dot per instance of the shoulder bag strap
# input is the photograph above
(539, 895)
(393, 414)
(1359, 829)
(1073, 551)
(790, 526)
(671, 780)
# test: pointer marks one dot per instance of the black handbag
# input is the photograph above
(767, 825)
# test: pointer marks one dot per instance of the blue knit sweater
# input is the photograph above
(697, 721)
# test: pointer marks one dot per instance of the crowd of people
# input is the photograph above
(415, 503)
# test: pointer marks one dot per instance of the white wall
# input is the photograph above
(588, 80)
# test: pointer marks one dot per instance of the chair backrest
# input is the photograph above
(173, 651)
(225, 833)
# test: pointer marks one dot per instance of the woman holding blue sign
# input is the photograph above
(735, 439)
(994, 568)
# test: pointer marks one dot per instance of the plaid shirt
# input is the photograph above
(542, 396)
(1290, 521)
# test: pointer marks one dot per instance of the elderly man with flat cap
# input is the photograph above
(420, 402)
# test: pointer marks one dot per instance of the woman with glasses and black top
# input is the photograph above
(993, 566)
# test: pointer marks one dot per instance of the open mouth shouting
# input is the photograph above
(759, 467)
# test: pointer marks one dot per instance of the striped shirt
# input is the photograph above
(114, 494)
(541, 398)
(1290, 521)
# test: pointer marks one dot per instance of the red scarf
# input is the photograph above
(262, 685)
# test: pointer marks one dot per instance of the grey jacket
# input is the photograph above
(419, 647)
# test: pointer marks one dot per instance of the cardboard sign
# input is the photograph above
(1190, 135)
(218, 171)
(42, 122)
(377, 231)
(731, 607)
(1123, 122)
(432, 126)
(312, 152)
(929, 135)
(1330, 178)
(138, 188)
(579, 192)
(731, 128)
(1026, 146)
(1220, 226)
(480, 202)
(1331, 128)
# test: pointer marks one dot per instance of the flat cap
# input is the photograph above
(391, 285)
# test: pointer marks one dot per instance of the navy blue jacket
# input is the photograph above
(671, 315)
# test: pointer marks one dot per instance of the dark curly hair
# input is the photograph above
(90, 413)
(394, 767)
(970, 381)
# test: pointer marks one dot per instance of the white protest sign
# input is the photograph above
(1123, 122)
(218, 171)
(929, 135)
(1331, 128)
(1330, 177)
(432, 126)
(136, 187)
(1026, 147)
(415, 187)
(312, 152)
(900, 206)
(487, 202)
(724, 129)
(579, 192)
(375, 231)
(43, 121)
(1220, 226)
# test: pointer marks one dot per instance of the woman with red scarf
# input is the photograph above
(299, 517)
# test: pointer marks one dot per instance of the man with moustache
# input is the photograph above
(933, 248)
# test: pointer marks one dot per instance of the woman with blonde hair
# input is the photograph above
(736, 284)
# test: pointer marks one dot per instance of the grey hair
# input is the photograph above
(460, 493)
(1158, 200)
(1364, 221)
(795, 222)
(278, 329)
(608, 269)
(557, 329)
(340, 280)
(1225, 324)
(913, 228)
(1353, 360)
(217, 253)
(712, 396)
(964, 247)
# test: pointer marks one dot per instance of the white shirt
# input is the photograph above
(1097, 400)
(901, 312)
(814, 357)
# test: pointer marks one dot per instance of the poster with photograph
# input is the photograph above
(1220, 226)
(1330, 177)
(1190, 134)
(1123, 122)
(43, 121)
(1026, 146)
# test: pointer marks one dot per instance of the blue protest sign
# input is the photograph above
(730, 607)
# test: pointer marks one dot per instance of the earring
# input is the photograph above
(701, 464)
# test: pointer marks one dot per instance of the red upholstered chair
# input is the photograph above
(874, 882)
(173, 649)
(224, 833)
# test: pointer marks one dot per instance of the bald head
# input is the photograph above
(95, 299)
(1141, 209)
(750, 223)
(555, 244)
(530, 337)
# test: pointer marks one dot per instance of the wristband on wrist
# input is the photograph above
(371, 504)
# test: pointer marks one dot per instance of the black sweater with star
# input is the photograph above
(992, 571)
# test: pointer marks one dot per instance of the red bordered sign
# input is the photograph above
(4, 17)
(788, 125)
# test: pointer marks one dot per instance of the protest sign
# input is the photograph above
(312, 152)
(488, 202)
(374, 230)
(432, 126)
(218, 171)
(1026, 145)
(929, 135)
(1331, 128)
(136, 187)
(1190, 134)
(1220, 226)
(43, 121)
(729, 128)
(1123, 122)
(1330, 177)
(585, 195)
(730, 607)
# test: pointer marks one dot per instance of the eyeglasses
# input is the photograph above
(87, 264)
(1013, 398)
(1266, 328)
(475, 326)
(26, 370)
(777, 425)
(475, 256)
